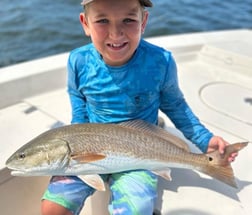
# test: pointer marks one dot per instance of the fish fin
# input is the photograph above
(87, 157)
(151, 129)
(222, 173)
(166, 174)
(233, 148)
(219, 167)
(94, 181)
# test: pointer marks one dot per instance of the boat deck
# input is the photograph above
(215, 74)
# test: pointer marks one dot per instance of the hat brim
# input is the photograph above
(145, 3)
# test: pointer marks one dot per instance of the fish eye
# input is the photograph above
(210, 158)
(21, 155)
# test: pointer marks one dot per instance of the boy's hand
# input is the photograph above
(218, 143)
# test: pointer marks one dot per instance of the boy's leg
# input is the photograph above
(51, 208)
(68, 192)
(133, 193)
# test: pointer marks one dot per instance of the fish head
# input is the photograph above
(40, 156)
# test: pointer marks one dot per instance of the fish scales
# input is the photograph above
(108, 139)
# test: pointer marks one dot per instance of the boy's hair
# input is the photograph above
(144, 3)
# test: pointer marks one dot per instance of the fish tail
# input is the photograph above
(219, 167)
(221, 173)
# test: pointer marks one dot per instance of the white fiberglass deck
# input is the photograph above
(215, 73)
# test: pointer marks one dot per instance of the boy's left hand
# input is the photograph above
(218, 143)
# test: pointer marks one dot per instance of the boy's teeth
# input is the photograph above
(116, 45)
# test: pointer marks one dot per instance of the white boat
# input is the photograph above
(215, 73)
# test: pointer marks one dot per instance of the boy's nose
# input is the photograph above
(116, 31)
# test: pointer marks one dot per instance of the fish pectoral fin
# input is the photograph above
(166, 174)
(94, 181)
(87, 157)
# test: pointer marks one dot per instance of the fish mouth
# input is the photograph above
(24, 173)
(18, 173)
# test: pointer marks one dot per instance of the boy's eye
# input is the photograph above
(105, 21)
(128, 20)
(102, 21)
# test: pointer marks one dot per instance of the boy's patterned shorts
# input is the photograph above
(132, 193)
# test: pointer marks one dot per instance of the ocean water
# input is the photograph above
(39, 28)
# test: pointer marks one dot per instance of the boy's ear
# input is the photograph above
(84, 23)
(144, 22)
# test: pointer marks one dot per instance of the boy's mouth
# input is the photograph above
(117, 46)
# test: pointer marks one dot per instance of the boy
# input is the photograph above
(121, 77)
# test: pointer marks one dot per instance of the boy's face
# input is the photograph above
(115, 27)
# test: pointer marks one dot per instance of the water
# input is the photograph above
(38, 28)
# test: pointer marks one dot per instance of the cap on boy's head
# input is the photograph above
(145, 3)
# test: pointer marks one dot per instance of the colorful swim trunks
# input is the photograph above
(132, 193)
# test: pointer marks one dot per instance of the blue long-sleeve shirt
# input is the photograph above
(137, 90)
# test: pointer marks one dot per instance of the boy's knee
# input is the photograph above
(146, 207)
(133, 193)
(51, 208)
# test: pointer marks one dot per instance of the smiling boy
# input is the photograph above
(115, 31)
(120, 77)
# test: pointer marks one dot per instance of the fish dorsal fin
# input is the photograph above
(94, 181)
(87, 157)
(148, 128)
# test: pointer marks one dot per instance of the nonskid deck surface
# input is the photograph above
(216, 78)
